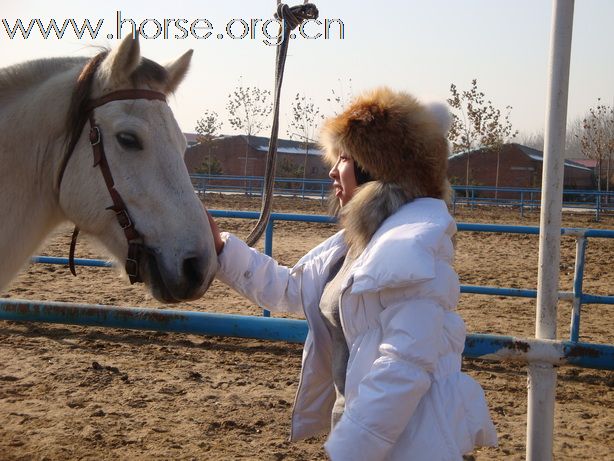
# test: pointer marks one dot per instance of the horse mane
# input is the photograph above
(20, 77)
(147, 71)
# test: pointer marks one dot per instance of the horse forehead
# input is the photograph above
(139, 108)
(155, 117)
(153, 120)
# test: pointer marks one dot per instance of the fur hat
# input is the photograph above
(401, 143)
(395, 139)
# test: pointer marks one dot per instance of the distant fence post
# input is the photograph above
(268, 249)
(453, 201)
(578, 278)
(268, 238)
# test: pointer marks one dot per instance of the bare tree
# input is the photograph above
(249, 108)
(534, 140)
(477, 124)
(207, 129)
(573, 134)
(211, 166)
(597, 138)
(342, 97)
(286, 168)
(499, 132)
(303, 126)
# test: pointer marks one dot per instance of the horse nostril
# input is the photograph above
(193, 271)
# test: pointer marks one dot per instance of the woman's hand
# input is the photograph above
(217, 238)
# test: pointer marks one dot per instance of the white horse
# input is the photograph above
(47, 174)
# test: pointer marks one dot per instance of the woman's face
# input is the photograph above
(344, 178)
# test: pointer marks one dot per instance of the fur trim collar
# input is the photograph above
(370, 206)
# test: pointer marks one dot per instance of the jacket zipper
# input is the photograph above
(300, 380)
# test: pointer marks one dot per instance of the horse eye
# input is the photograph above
(129, 141)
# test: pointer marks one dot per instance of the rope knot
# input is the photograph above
(293, 16)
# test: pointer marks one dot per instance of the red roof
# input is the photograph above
(192, 138)
(587, 162)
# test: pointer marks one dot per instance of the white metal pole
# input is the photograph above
(542, 376)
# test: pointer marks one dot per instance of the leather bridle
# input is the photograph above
(135, 241)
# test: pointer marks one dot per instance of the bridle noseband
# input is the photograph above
(134, 238)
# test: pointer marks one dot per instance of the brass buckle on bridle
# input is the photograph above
(123, 218)
(132, 267)
(95, 131)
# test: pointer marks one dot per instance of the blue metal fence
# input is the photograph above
(523, 198)
(484, 346)
(529, 199)
(252, 185)
(585, 355)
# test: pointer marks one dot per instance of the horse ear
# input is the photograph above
(123, 60)
(177, 70)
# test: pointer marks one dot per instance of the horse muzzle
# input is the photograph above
(187, 280)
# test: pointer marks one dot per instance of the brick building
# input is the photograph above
(519, 166)
(231, 151)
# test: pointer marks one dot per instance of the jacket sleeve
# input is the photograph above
(400, 376)
(259, 277)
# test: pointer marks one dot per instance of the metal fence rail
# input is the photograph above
(484, 346)
(523, 198)
(252, 186)
(529, 199)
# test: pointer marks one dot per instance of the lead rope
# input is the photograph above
(291, 18)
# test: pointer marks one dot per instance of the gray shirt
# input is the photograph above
(329, 309)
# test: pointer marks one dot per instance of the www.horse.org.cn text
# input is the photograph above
(269, 31)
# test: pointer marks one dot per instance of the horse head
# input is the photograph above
(144, 149)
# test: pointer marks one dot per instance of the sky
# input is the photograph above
(416, 46)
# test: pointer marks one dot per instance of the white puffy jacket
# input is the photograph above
(406, 398)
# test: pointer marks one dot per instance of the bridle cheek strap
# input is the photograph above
(134, 238)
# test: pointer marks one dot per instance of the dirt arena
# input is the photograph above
(70, 393)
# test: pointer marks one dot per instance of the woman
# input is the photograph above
(381, 363)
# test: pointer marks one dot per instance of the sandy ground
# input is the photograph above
(92, 393)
